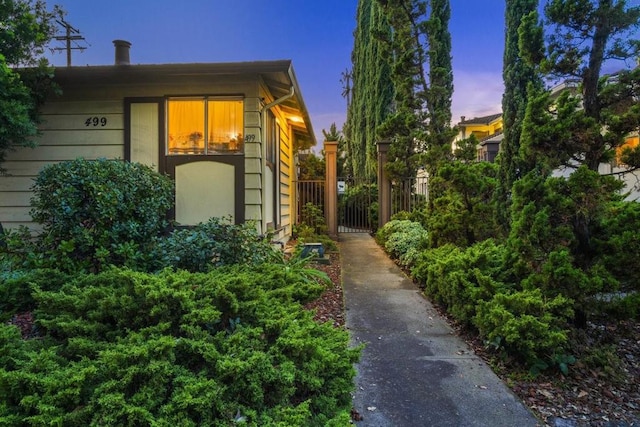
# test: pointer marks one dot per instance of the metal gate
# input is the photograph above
(310, 203)
(409, 194)
(357, 206)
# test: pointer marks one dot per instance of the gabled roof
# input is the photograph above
(485, 120)
(278, 76)
(495, 138)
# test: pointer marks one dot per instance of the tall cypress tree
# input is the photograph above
(393, 95)
(357, 122)
(406, 126)
(517, 75)
(372, 90)
(440, 134)
(380, 88)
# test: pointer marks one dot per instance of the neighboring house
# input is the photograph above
(631, 179)
(489, 132)
(224, 132)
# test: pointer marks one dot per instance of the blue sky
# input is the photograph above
(317, 35)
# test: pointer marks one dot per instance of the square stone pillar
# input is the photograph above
(384, 185)
(331, 187)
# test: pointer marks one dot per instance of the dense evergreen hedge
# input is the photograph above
(128, 348)
(473, 285)
(112, 317)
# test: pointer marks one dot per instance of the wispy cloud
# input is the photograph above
(324, 120)
(476, 94)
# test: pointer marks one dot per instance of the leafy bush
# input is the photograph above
(403, 239)
(525, 324)
(459, 278)
(554, 224)
(16, 289)
(232, 346)
(212, 244)
(622, 306)
(558, 275)
(99, 212)
(313, 216)
(313, 228)
(605, 361)
(391, 227)
(618, 243)
(17, 252)
(462, 210)
(305, 234)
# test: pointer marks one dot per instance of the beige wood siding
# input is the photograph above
(284, 169)
(70, 129)
(285, 177)
(253, 161)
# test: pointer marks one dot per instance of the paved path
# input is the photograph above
(414, 370)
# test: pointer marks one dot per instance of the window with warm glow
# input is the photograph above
(631, 142)
(206, 126)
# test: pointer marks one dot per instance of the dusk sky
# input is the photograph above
(317, 35)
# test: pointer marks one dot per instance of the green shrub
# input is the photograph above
(19, 251)
(313, 216)
(232, 346)
(622, 306)
(16, 289)
(618, 243)
(525, 324)
(459, 278)
(306, 234)
(393, 226)
(462, 209)
(212, 244)
(99, 212)
(554, 243)
(403, 240)
(604, 360)
(558, 275)
(313, 228)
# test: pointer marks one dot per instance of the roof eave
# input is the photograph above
(107, 74)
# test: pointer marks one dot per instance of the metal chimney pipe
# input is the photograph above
(122, 52)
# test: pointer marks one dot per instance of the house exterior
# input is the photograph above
(489, 132)
(224, 132)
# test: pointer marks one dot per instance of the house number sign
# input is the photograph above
(95, 121)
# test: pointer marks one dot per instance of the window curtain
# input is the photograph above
(186, 126)
(189, 134)
(225, 121)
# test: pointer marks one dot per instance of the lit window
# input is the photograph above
(631, 143)
(205, 126)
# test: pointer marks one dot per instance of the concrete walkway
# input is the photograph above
(414, 370)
